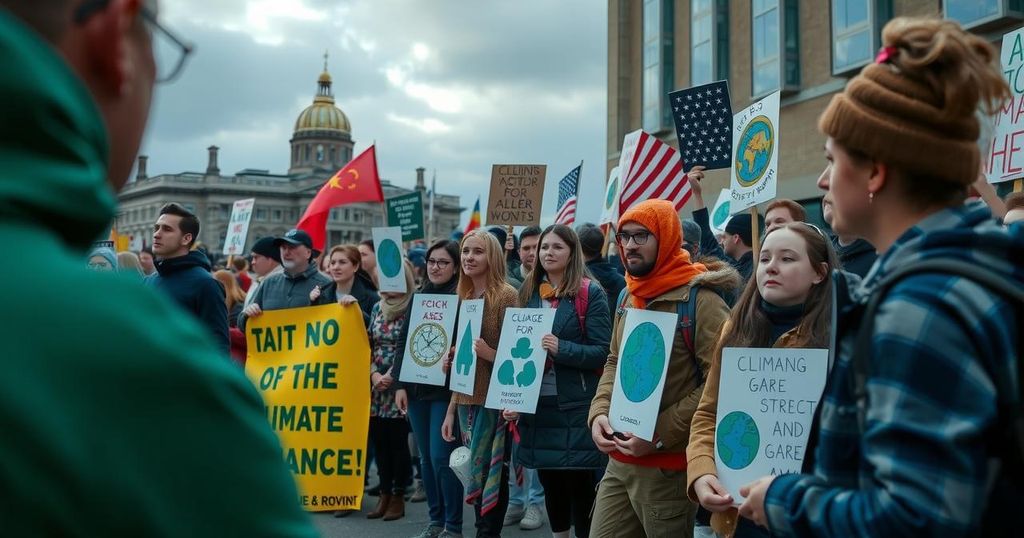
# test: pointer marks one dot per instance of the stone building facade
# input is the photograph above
(808, 49)
(320, 145)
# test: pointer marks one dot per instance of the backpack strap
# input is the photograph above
(687, 311)
(975, 273)
(582, 302)
(621, 301)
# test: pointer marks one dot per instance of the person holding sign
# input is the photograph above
(427, 405)
(913, 429)
(389, 430)
(787, 305)
(348, 284)
(643, 489)
(556, 439)
(482, 275)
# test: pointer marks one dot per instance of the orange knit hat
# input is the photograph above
(673, 267)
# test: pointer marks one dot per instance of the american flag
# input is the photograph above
(703, 116)
(567, 189)
(653, 171)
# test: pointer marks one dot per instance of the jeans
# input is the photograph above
(530, 493)
(444, 491)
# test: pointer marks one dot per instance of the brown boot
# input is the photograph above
(396, 508)
(383, 504)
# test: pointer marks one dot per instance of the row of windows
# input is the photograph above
(775, 38)
(309, 153)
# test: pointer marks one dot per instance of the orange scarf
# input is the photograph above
(673, 267)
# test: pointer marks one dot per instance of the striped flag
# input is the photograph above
(474, 217)
(651, 168)
(567, 190)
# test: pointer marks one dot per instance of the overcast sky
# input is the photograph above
(451, 86)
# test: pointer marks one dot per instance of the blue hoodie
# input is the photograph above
(188, 281)
(920, 467)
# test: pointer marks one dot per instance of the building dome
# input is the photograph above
(323, 115)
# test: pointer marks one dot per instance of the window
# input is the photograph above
(709, 41)
(334, 214)
(659, 71)
(776, 46)
(307, 152)
(974, 12)
(856, 32)
(320, 153)
(261, 213)
(332, 154)
(348, 215)
(276, 215)
(191, 208)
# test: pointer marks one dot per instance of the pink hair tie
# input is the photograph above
(885, 54)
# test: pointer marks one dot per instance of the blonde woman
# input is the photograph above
(482, 275)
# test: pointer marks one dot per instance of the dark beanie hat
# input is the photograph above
(591, 239)
(265, 247)
(740, 225)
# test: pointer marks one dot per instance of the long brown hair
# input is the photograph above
(495, 267)
(575, 270)
(752, 328)
(233, 293)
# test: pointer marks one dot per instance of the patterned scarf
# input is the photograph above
(484, 431)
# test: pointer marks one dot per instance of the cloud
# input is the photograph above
(451, 86)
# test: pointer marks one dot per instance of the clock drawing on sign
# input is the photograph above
(429, 344)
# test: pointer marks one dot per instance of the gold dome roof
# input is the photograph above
(323, 114)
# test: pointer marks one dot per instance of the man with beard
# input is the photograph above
(291, 288)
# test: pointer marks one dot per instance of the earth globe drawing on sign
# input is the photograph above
(754, 151)
(389, 258)
(721, 216)
(642, 362)
(737, 440)
(613, 191)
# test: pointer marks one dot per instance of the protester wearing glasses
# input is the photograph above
(112, 428)
(427, 405)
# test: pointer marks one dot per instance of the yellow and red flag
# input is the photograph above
(357, 181)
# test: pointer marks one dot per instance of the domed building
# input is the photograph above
(322, 139)
(320, 145)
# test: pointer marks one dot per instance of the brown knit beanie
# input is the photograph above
(901, 110)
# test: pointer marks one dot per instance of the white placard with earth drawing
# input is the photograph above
(387, 245)
(431, 325)
(766, 402)
(644, 354)
(755, 164)
(519, 362)
(463, 370)
(610, 211)
(720, 214)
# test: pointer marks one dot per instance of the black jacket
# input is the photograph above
(362, 289)
(419, 391)
(709, 247)
(857, 257)
(611, 280)
(188, 280)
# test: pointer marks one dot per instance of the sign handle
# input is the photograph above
(1018, 185)
(755, 235)
(607, 236)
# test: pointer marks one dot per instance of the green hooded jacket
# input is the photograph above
(118, 416)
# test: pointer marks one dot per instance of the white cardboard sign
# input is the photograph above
(519, 362)
(755, 145)
(431, 324)
(238, 227)
(766, 402)
(644, 354)
(1003, 159)
(463, 370)
(387, 245)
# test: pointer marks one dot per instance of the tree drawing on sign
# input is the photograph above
(464, 359)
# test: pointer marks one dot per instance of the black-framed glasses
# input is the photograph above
(640, 238)
(169, 51)
(440, 264)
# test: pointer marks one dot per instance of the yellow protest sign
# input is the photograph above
(312, 366)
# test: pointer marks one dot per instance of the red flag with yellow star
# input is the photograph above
(356, 182)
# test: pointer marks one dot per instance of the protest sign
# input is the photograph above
(1004, 158)
(387, 246)
(406, 212)
(519, 361)
(238, 227)
(303, 362)
(431, 325)
(640, 374)
(755, 142)
(703, 118)
(517, 191)
(766, 402)
(610, 211)
(463, 371)
(720, 214)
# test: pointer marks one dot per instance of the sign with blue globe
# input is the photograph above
(754, 151)
(387, 244)
(640, 369)
(755, 160)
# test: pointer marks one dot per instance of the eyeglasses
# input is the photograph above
(169, 52)
(440, 264)
(640, 238)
